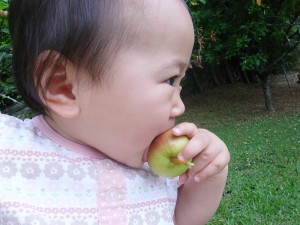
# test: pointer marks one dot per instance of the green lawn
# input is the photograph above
(264, 184)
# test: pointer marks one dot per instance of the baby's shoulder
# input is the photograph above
(16, 133)
(10, 124)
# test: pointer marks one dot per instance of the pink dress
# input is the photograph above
(46, 179)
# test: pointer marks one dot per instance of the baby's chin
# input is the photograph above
(137, 162)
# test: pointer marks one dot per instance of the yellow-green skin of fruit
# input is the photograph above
(162, 149)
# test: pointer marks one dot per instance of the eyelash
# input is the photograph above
(171, 80)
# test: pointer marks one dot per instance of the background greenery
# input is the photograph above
(263, 182)
(8, 92)
(245, 40)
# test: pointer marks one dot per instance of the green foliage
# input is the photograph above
(258, 38)
(253, 61)
(263, 180)
(8, 92)
(4, 4)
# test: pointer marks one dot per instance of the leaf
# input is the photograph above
(3, 4)
(258, 2)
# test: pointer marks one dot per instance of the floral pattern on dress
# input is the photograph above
(92, 172)
(136, 220)
(8, 169)
(9, 220)
(152, 217)
(30, 170)
(75, 172)
(35, 220)
(167, 215)
(54, 171)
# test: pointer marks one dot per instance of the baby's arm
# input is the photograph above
(200, 195)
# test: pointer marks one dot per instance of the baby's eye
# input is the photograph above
(172, 80)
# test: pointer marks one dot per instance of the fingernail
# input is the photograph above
(180, 157)
(197, 179)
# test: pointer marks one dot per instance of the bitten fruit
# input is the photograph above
(163, 153)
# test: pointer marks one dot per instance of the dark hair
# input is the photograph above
(86, 32)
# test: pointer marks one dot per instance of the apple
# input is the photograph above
(163, 152)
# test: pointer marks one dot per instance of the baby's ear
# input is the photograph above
(57, 84)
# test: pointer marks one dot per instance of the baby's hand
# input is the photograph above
(210, 154)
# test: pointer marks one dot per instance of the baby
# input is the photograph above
(105, 78)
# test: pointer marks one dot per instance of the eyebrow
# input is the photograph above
(182, 64)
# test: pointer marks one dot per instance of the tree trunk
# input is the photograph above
(245, 77)
(265, 80)
(198, 83)
(229, 74)
(213, 73)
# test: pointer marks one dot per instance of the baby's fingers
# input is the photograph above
(197, 146)
(199, 140)
(213, 168)
(187, 129)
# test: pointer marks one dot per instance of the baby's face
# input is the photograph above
(142, 98)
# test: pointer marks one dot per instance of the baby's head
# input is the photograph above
(105, 72)
(89, 33)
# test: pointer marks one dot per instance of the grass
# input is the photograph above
(264, 184)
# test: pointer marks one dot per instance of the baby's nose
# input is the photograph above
(178, 107)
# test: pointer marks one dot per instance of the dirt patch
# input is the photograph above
(239, 102)
(250, 97)
(291, 78)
